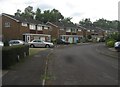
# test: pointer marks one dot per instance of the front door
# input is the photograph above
(28, 38)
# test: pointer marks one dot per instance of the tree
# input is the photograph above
(86, 22)
(18, 13)
(67, 20)
(28, 12)
(38, 14)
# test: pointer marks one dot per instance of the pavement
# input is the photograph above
(30, 72)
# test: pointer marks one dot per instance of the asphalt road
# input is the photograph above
(81, 65)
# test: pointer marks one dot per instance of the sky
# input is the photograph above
(77, 9)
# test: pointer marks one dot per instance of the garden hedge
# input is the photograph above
(13, 54)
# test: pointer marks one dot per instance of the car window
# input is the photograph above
(34, 41)
(39, 41)
(11, 42)
(17, 42)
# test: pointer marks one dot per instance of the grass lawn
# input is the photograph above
(33, 51)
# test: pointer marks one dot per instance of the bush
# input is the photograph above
(13, 54)
(110, 42)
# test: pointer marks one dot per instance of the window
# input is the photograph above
(79, 29)
(74, 30)
(24, 24)
(88, 30)
(7, 24)
(46, 28)
(39, 27)
(68, 30)
(32, 26)
(62, 29)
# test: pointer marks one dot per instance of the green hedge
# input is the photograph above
(13, 54)
(110, 42)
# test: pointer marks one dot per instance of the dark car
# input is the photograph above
(62, 41)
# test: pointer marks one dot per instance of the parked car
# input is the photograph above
(39, 43)
(62, 41)
(117, 45)
(1, 44)
(16, 42)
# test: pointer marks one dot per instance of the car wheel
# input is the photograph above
(47, 46)
(32, 46)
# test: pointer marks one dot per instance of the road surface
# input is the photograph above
(81, 65)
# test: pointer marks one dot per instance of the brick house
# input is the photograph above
(24, 29)
(96, 33)
(69, 32)
(28, 29)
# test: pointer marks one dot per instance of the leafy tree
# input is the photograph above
(18, 13)
(86, 22)
(38, 14)
(28, 12)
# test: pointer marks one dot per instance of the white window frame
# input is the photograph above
(39, 27)
(32, 27)
(61, 29)
(79, 30)
(88, 30)
(24, 24)
(7, 24)
(46, 28)
(68, 30)
(74, 30)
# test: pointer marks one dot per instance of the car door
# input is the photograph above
(41, 43)
(35, 43)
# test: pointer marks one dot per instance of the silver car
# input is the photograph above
(39, 43)
(16, 42)
(1, 44)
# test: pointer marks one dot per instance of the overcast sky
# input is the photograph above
(77, 9)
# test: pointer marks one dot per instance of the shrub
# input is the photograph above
(13, 54)
(110, 42)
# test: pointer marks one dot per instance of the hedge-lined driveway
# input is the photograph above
(29, 72)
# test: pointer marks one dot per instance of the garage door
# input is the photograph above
(70, 40)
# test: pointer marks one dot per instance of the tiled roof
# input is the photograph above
(65, 25)
(21, 19)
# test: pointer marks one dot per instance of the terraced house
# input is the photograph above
(14, 27)
(69, 31)
(24, 29)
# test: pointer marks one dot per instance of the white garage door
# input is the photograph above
(70, 40)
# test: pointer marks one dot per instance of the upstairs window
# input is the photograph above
(74, 30)
(24, 24)
(79, 30)
(7, 24)
(39, 27)
(68, 30)
(46, 28)
(32, 26)
(88, 30)
(61, 29)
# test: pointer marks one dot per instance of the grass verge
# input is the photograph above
(33, 51)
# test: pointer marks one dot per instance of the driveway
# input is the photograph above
(29, 72)
(81, 65)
